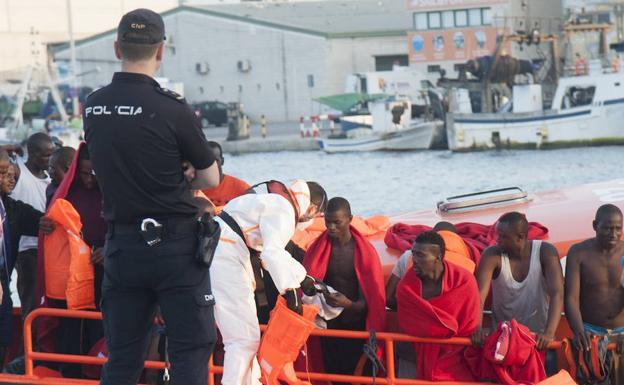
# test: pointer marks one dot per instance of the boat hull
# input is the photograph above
(422, 136)
(581, 126)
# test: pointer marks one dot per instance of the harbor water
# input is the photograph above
(396, 182)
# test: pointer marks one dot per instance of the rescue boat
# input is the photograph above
(567, 213)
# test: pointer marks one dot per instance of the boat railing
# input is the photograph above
(483, 200)
(386, 340)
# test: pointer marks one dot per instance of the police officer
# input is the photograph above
(140, 137)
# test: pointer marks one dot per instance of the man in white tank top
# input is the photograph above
(31, 189)
(526, 280)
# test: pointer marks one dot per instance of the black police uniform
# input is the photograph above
(138, 134)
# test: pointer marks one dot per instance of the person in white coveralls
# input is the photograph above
(266, 222)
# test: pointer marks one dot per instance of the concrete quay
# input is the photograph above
(283, 136)
(270, 144)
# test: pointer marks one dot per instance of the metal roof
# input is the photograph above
(332, 18)
(325, 18)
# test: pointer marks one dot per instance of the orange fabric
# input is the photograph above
(286, 333)
(68, 271)
(366, 226)
(561, 378)
(229, 188)
(456, 251)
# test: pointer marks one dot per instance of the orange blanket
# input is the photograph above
(365, 226)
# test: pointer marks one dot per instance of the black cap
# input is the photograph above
(141, 26)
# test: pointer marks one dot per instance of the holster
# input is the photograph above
(208, 234)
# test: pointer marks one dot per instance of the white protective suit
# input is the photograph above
(268, 222)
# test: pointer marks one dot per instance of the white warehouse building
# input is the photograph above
(274, 58)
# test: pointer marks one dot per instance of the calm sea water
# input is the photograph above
(388, 183)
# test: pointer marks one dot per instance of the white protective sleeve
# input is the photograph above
(277, 228)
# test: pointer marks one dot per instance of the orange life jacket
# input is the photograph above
(456, 251)
(68, 270)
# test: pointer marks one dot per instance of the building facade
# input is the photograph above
(272, 60)
(450, 32)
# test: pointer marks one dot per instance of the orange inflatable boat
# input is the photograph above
(567, 213)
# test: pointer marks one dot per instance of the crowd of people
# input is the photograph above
(438, 288)
(164, 243)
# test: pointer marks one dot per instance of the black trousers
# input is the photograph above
(136, 279)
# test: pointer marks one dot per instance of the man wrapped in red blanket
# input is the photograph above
(344, 260)
(437, 299)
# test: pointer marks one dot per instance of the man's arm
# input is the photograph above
(572, 297)
(490, 261)
(551, 268)
(353, 310)
(194, 149)
(277, 226)
(398, 272)
(206, 178)
(27, 218)
(391, 286)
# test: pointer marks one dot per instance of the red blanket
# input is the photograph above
(370, 277)
(521, 363)
(477, 237)
(454, 313)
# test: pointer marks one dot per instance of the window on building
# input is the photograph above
(461, 18)
(433, 68)
(259, 87)
(486, 16)
(435, 21)
(240, 88)
(277, 86)
(387, 62)
(420, 21)
(448, 19)
(310, 81)
(221, 89)
(474, 17)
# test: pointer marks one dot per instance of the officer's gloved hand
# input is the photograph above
(292, 301)
(307, 286)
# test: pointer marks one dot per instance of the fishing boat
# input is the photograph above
(389, 126)
(567, 213)
(586, 110)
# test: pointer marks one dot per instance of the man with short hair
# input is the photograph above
(60, 161)
(347, 262)
(456, 252)
(141, 138)
(594, 301)
(229, 186)
(526, 280)
(260, 224)
(31, 189)
(16, 219)
(437, 299)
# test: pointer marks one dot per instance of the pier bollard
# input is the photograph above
(263, 126)
(301, 127)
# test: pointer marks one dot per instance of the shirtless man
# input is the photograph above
(343, 259)
(526, 280)
(594, 300)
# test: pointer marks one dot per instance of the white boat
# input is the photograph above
(420, 136)
(393, 129)
(586, 110)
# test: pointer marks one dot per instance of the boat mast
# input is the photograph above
(72, 50)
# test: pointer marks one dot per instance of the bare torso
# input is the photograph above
(601, 294)
(341, 270)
